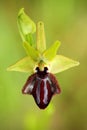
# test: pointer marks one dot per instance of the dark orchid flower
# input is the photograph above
(40, 63)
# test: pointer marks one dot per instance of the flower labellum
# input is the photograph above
(40, 63)
(42, 85)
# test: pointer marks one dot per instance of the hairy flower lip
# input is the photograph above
(42, 86)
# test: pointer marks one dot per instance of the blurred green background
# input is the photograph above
(65, 20)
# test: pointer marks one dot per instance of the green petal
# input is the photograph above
(24, 65)
(41, 43)
(50, 53)
(61, 63)
(26, 26)
(31, 51)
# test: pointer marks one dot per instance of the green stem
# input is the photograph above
(41, 43)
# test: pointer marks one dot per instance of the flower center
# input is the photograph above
(41, 74)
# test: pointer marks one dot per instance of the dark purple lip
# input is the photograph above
(42, 86)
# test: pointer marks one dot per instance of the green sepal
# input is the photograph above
(61, 63)
(31, 51)
(41, 42)
(24, 65)
(50, 53)
(26, 26)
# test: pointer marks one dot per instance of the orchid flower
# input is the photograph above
(41, 63)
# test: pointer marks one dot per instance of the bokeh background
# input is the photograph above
(65, 20)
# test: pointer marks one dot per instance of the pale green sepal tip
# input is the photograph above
(61, 63)
(26, 26)
(31, 51)
(20, 11)
(24, 65)
(51, 52)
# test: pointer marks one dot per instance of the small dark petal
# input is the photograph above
(27, 89)
(55, 84)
